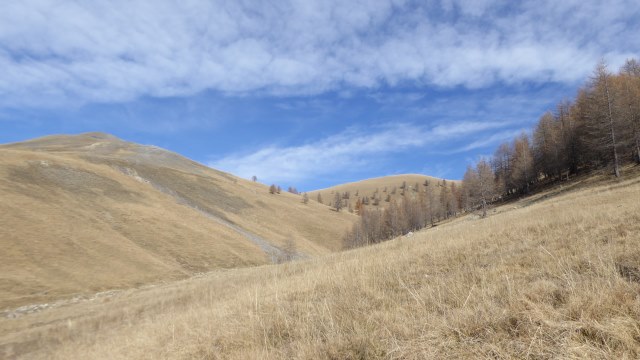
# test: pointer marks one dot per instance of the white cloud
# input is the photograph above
(344, 152)
(55, 52)
(484, 142)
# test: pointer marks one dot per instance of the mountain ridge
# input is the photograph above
(91, 212)
(380, 191)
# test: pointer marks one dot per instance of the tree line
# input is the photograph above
(599, 129)
(424, 206)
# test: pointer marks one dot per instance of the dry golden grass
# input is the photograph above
(88, 213)
(556, 278)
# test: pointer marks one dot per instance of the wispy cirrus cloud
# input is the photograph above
(348, 151)
(54, 52)
(501, 136)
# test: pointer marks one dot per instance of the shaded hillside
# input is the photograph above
(91, 212)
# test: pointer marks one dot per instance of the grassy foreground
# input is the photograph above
(554, 278)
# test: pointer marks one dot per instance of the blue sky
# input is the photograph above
(304, 93)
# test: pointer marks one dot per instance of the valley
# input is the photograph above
(321, 180)
(560, 281)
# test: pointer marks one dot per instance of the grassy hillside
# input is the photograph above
(87, 213)
(384, 188)
(554, 276)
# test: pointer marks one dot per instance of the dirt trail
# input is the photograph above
(34, 308)
(274, 252)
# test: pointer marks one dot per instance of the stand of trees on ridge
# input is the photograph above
(600, 129)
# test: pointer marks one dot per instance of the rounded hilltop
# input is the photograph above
(380, 191)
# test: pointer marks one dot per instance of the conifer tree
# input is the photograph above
(358, 207)
(603, 120)
(337, 201)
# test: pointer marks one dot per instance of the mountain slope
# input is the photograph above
(91, 212)
(383, 188)
(554, 275)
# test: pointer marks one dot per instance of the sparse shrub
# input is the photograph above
(288, 252)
